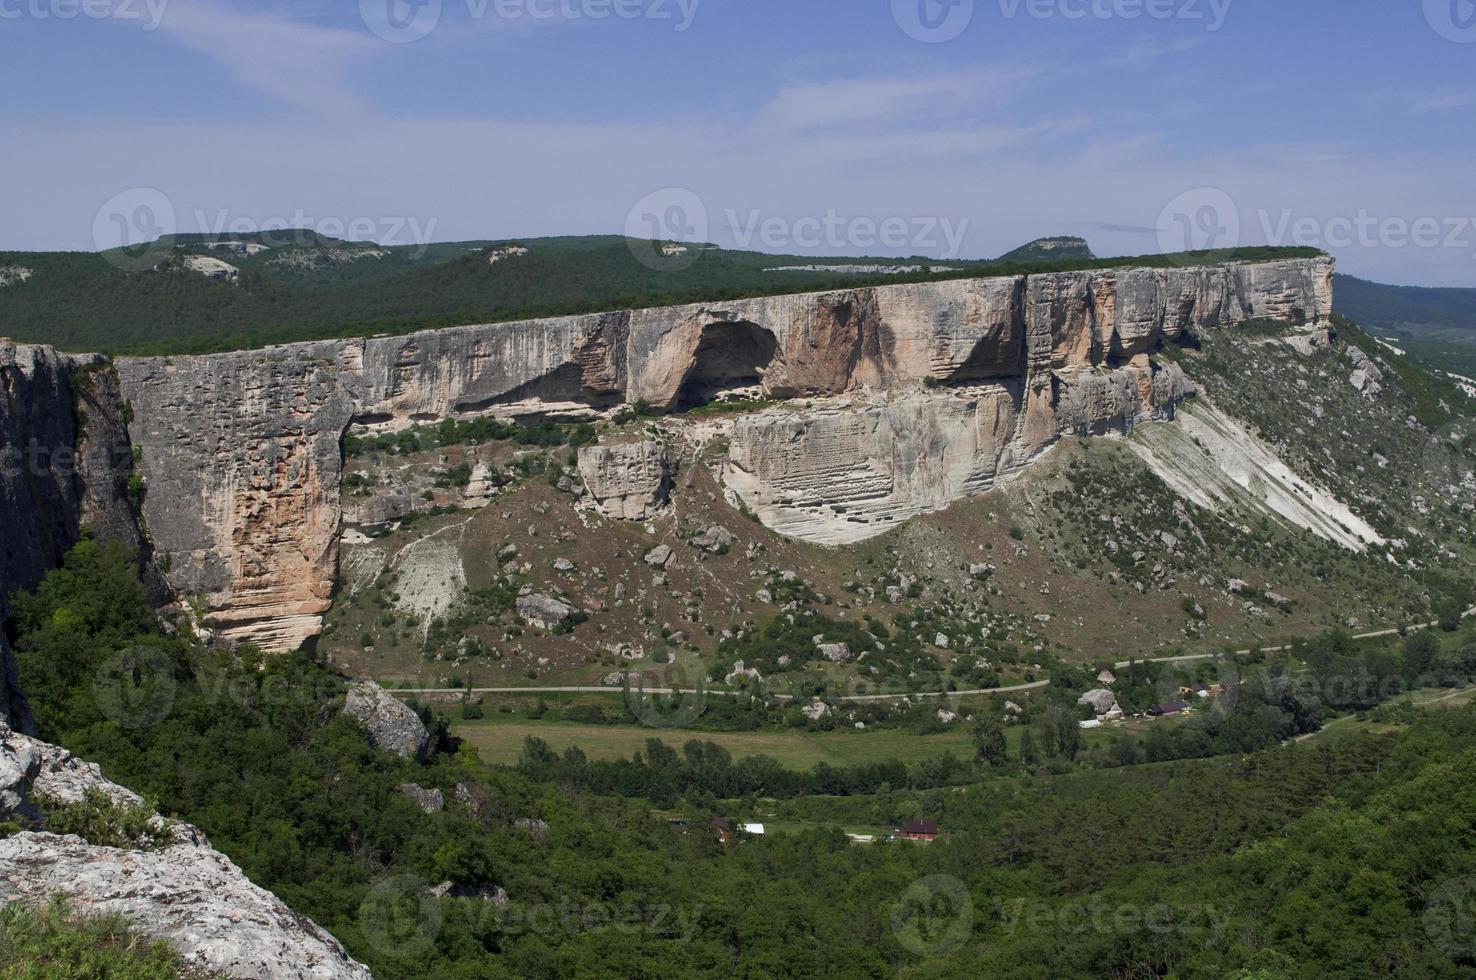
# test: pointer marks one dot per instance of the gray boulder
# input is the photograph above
(1100, 700)
(429, 800)
(391, 725)
(660, 556)
(716, 539)
(544, 612)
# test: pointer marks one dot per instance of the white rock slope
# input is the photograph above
(1211, 460)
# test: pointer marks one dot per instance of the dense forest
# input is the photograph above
(315, 288)
(1349, 856)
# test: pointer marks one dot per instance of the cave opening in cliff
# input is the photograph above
(729, 362)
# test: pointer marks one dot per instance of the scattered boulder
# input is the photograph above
(717, 540)
(1366, 376)
(741, 672)
(835, 652)
(486, 892)
(482, 487)
(429, 800)
(544, 612)
(383, 509)
(660, 556)
(391, 725)
(538, 828)
(815, 710)
(1100, 700)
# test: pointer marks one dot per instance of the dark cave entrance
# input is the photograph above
(730, 361)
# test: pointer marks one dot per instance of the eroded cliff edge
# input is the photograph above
(65, 464)
(962, 381)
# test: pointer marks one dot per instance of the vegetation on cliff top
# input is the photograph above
(57, 944)
(320, 289)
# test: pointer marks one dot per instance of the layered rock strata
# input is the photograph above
(848, 469)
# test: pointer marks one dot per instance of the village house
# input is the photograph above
(917, 830)
(1168, 708)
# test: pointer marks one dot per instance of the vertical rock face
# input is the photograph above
(241, 455)
(40, 488)
(436, 374)
(629, 481)
(64, 463)
(241, 461)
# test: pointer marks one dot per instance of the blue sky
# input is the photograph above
(787, 125)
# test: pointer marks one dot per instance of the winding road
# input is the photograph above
(1035, 685)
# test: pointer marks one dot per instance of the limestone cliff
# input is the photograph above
(847, 469)
(40, 492)
(241, 455)
(65, 463)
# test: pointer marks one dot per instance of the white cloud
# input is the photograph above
(844, 102)
(304, 65)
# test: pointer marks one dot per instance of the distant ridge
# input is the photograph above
(1062, 248)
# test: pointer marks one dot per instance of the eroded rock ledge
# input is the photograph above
(241, 452)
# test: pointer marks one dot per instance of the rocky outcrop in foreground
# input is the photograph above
(185, 892)
(241, 452)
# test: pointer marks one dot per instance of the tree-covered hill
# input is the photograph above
(1437, 327)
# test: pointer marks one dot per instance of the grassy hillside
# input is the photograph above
(310, 287)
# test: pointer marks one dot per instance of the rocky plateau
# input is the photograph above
(897, 400)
